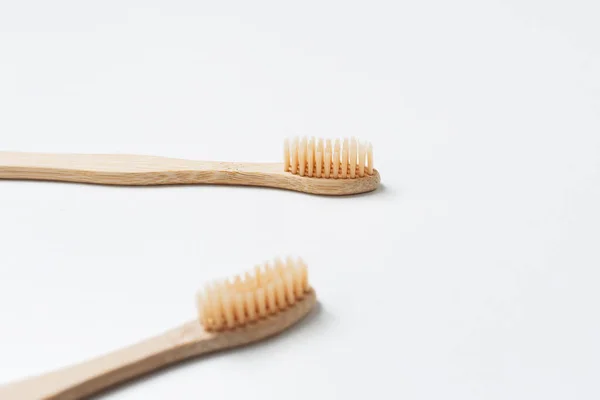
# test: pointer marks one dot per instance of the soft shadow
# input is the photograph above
(315, 318)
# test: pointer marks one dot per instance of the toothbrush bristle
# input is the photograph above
(270, 289)
(317, 158)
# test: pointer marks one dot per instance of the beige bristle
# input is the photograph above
(286, 155)
(240, 312)
(370, 158)
(280, 293)
(237, 282)
(227, 283)
(298, 283)
(304, 274)
(345, 159)
(213, 310)
(289, 288)
(203, 306)
(327, 159)
(302, 157)
(353, 156)
(228, 310)
(271, 302)
(256, 276)
(336, 159)
(249, 281)
(267, 274)
(250, 306)
(279, 266)
(261, 302)
(295, 271)
(295, 155)
(311, 156)
(319, 162)
(362, 153)
(317, 158)
(232, 303)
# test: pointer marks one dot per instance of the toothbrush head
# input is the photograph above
(272, 290)
(348, 158)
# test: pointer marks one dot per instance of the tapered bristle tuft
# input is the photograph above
(270, 289)
(317, 158)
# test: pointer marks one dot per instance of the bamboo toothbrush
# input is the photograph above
(309, 165)
(230, 314)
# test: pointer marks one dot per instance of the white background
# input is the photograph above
(471, 274)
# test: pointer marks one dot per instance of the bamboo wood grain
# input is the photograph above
(125, 169)
(184, 342)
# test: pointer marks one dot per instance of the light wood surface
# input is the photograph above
(124, 169)
(187, 341)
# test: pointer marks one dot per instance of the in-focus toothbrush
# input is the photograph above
(320, 166)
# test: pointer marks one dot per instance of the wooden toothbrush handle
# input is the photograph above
(90, 377)
(125, 169)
